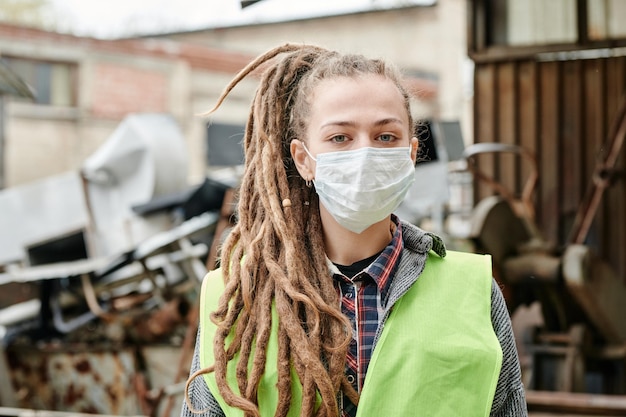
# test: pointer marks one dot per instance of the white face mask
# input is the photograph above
(363, 186)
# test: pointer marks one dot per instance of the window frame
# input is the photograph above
(481, 49)
(73, 79)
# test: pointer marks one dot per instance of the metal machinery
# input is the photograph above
(579, 343)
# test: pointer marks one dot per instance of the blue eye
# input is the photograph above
(386, 138)
(339, 138)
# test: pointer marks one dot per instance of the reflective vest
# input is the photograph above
(437, 355)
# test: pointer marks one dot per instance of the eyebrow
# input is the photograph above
(382, 122)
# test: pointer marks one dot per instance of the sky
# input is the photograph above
(119, 18)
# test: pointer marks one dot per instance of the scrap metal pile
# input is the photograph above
(99, 273)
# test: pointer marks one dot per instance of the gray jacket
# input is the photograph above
(509, 400)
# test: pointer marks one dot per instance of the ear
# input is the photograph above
(414, 144)
(304, 165)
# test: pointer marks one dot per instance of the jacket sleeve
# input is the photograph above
(510, 398)
(199, 394)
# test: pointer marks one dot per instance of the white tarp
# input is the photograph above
(145, 157)
(39, 211)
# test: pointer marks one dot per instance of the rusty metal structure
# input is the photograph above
(99, 275)
(549, 161)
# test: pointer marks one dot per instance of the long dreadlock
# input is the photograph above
(279, 231)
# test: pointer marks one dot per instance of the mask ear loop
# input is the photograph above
(308, 182)
(307, 152)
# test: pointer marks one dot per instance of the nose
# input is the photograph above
(363, 140)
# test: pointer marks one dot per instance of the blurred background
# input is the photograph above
(116, 191)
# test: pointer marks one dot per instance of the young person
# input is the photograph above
(327, 304)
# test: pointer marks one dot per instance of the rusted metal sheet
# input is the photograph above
(81, 380)
(132, 368)
(13, 293)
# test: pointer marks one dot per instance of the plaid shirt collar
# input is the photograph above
(383, 268)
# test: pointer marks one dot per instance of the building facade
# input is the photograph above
(84, 87)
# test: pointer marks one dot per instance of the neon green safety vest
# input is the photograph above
(437, 355)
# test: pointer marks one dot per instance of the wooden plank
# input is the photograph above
(570, 127)
(527, 102)
(615, 197)
(507, 163)
(549, 161)
(561, 403)
(564, 414)
(595, 133)
(484, 122)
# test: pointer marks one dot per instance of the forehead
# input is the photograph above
(354, 97)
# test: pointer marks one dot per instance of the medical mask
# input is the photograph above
(363, 186)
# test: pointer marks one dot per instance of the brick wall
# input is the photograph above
(119, 90)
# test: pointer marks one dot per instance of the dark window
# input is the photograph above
(66, 248)
(224, 144)
(532, 22)
(52, 82)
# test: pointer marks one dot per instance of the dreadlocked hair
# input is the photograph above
(285, 261)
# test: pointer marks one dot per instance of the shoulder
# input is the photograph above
(461, 268)
(419, 241)
(211, 290)
(213, 278)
